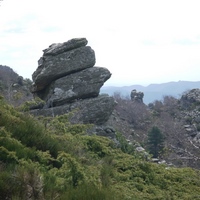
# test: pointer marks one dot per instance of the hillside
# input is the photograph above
(49, 158)
(154, 92)
(70, 142)
(177, 119)
(13, 87)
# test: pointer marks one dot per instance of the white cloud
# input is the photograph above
(140, 42)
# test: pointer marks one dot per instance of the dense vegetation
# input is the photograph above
(49, 158)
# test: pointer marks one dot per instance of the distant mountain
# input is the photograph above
(154, 92)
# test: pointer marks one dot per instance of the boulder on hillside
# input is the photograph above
(53, 67)
(67, 81)
(92, 110)
(80, 85)
(137, 96)
(190, 97)
(103, 130)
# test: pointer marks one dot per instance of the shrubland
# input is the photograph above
(50, 158)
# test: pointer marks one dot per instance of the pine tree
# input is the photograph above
(155, 141)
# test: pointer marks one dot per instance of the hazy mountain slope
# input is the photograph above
(154, 92)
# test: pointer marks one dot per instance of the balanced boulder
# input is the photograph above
(67, 80)
(79, 85)
(60, 64)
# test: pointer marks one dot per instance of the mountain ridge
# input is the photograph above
(153, 91)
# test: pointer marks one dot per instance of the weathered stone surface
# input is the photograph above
(137, 96)
(80, 85)
(103, 130)
(190, 97)
(58, 48)
(54, 67)
(67, 81)
(93, 110)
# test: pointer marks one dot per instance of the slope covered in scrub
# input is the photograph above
(49, 158)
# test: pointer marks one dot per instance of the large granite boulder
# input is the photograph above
(79, 85)
(52, 67)
(92, 110)
(67, 80)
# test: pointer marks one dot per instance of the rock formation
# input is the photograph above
(137, 96)
(13, 87)
(190, 104)
(67, 80)
(60, 60)
(190, 97)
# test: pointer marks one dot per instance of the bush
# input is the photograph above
(124, 145)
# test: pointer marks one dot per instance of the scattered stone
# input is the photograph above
(105, 131)
(139, 149)
(162, 162)
(156, 160)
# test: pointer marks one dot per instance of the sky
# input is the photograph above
(139, 41)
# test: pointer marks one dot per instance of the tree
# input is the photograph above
(155, 141)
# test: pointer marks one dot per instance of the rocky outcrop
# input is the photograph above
(80, 85)
(63, 62)
(13, 87)
(189, 98)
(137, 96)
(67, 80)
(92, 110)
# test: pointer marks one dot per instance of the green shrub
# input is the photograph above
(124, 145)
(89, 191)
(51, 159)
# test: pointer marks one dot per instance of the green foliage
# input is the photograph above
(89, 191)
(70, 169)
(36, 102)
(6, 181)
(124, 145)
(95, 146)
(17, 96)
(155, 141)
(188, 120)
(1, 85)
(49, 158)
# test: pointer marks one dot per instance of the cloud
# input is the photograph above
(138, 41)
(187, 41)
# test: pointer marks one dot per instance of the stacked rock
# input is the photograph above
(137, 96)
(67, 79)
